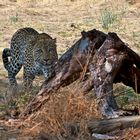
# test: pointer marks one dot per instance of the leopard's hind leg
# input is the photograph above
(13, 67)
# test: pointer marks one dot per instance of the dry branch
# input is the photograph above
(106, 125)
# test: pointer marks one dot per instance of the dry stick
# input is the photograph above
(106, 125)
(136, 87)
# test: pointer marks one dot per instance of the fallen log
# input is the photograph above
(113, 62)
(72, 64)
(105, 125)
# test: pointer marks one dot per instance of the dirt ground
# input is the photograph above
(64, 20)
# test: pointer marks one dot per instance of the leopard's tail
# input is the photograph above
(5, 54)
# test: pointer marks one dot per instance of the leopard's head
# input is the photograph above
(46, 53)
(49, 50)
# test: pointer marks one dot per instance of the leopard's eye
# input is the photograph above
(50, 49)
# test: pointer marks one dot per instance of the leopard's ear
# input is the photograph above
(32, 40)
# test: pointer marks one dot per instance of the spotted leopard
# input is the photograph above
(35, 52)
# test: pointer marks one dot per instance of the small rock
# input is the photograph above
(103, 137)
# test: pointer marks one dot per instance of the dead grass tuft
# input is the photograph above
(63, 107)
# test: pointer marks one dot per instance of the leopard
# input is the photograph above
(35, 52)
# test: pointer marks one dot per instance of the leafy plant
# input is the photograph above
(127, 96)
(107, 18)
(65, 33)
(14, 18)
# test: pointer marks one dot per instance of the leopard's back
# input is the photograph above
(20, 41)
(13, 57)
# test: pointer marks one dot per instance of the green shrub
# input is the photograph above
(107, 18)
(14, 18)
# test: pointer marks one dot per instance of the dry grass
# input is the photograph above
(63, 108)
(67, 106)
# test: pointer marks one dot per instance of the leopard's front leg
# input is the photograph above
(28, 77)
(48, 72)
